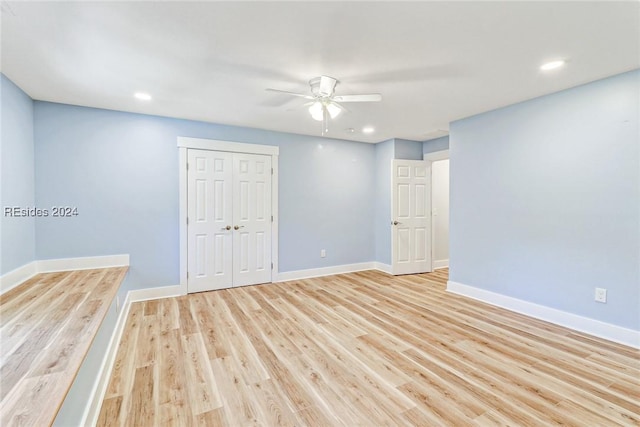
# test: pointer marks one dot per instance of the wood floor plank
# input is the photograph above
(142, 411)
(169, 315)
(273, 410)
(124, 364)
(253, 370)
(203, 391)
(172, 387)
(210, 419)
(365, 349)
(110, 410)
(214, 339)
(236, 401)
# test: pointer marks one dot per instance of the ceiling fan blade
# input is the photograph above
(369, 97)
(327, 85)
(301, 95)
(341, 107)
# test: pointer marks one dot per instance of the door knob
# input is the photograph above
(228, 227)
(238, 227)
(396, 223)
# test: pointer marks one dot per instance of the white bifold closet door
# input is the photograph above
(229, 219)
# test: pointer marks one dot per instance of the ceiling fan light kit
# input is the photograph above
(317, 111)
(324, 102)
(320, 109)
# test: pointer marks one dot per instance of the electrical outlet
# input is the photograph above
(323, 253)
(601, 295)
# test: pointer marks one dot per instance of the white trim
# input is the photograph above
(385, 268)
(15, 277)
(594, 327)
(185, 143)
(436, 155)
(325, 271)
(182, 194)
(275, 182)
(230, 146)
(441, 263)
(84, 263)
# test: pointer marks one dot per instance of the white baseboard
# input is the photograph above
(587, 325)
(324, 271)
(83, 263)
(441, 263)
(147, 294)
(385, 268)
(15, 277)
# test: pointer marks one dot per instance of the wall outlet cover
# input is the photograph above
(601, 295)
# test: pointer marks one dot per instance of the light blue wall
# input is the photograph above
(545, 202)
(16, 175)
(433, 145)
(384, 155)
(121, 171)
(407, 150)
(326, 201)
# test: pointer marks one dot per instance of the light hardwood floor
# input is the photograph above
(361, 349)
(47, 326)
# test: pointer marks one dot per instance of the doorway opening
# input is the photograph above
(440, 207)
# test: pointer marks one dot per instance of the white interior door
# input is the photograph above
(209, 220)
(251, 219)
(229, 220)
(411, 216)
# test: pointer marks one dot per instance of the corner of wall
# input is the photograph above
(17, 176)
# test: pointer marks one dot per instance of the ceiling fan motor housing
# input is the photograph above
(323, 86)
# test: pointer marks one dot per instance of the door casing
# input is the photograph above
(185, 143)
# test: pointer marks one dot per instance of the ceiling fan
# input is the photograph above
(324, 103)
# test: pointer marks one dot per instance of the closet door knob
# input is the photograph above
(238, 227)
(228, 227)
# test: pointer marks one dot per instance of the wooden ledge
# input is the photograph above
(47, 326)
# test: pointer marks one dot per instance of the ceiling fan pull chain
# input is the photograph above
(325, 120)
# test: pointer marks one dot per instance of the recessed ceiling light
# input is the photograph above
(367, 129)
(142, 96)
(552, 65)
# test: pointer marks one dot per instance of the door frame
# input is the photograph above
(434, 157)
(185, 143)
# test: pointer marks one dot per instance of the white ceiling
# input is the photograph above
(433, 62)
